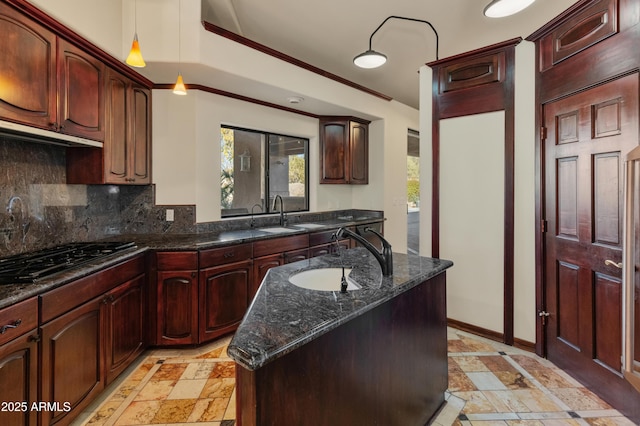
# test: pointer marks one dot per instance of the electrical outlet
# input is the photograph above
(169, 215)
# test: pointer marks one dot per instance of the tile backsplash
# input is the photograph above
(38, 209)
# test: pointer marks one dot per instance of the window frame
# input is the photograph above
(267, 172)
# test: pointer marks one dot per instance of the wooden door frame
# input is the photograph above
(596, 61)
(478, 82)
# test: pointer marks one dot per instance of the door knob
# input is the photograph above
(612, 263)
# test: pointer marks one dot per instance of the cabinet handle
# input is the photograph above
(35, 338)
(14, 324)
(229, 255)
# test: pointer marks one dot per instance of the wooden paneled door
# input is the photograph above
(587, 137)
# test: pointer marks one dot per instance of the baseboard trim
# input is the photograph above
(490, 334)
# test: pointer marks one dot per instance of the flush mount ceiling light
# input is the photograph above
(135, 55)
(502, 8)
(373, 59)
(179, 88)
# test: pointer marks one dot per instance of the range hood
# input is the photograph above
(34, 134)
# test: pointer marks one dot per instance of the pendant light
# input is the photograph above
(135, 55)
(179, 88)
(502, 8)
(372, 59)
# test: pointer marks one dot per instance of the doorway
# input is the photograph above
(413, 192)
(587, 136)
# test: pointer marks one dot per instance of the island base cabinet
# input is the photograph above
(385, 367)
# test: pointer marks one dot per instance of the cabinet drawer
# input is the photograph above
(67, 297)
(220, 256)
(18, 319)
(280, 245)
(323, 237)
(177, 260)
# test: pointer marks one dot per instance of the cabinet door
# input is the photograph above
(320, 250)
(260, 267)
(334, 138)
(140, 135)
(28, 92)
(81, 91)
(72, 365)
(124, 332)
(296, 255)
(359, 154)
(115, 147)
(224, 298)
(177, 308)
(19, 379)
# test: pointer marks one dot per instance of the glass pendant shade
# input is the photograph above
(179, 88)
(370, 59)
(502, 8)
(135, 55)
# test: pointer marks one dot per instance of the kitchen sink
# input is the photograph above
(278, 229)
(323, 279)
(308, 225)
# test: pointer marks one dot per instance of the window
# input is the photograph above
(258, 166)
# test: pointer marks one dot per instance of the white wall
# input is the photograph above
(472, 217)
(524, 203)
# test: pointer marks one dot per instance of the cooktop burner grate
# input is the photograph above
(30, 267)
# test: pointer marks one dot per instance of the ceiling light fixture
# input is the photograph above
(502, 8)
(135, 55)
(179, 88)
(373, 59)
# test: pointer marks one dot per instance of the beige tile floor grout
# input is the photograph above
(490, 384)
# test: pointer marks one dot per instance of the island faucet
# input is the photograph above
(384, 258)
(282, 218)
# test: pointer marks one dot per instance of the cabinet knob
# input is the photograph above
(35, 338)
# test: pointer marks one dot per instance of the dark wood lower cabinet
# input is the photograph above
(19, 380)
(72, 362)
(177, 307)
(261, 266)
(224, 298)
(91, 331)
(124, 326)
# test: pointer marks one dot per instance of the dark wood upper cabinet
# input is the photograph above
(56, 86)
(126, 155)
(29, 89)
(344, 150)
(80, 93)
(54, 80)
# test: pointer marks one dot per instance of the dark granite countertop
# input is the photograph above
(284, 316)
(205, 240)
(13, 293)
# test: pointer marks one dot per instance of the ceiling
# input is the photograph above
(328, 34)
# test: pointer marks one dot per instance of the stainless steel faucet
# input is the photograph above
(282, 218)
(384, 258)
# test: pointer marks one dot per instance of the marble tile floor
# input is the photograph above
(489, 384)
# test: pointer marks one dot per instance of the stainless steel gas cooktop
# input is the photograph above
(30, 267)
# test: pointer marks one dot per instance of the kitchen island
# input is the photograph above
(374, 356)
